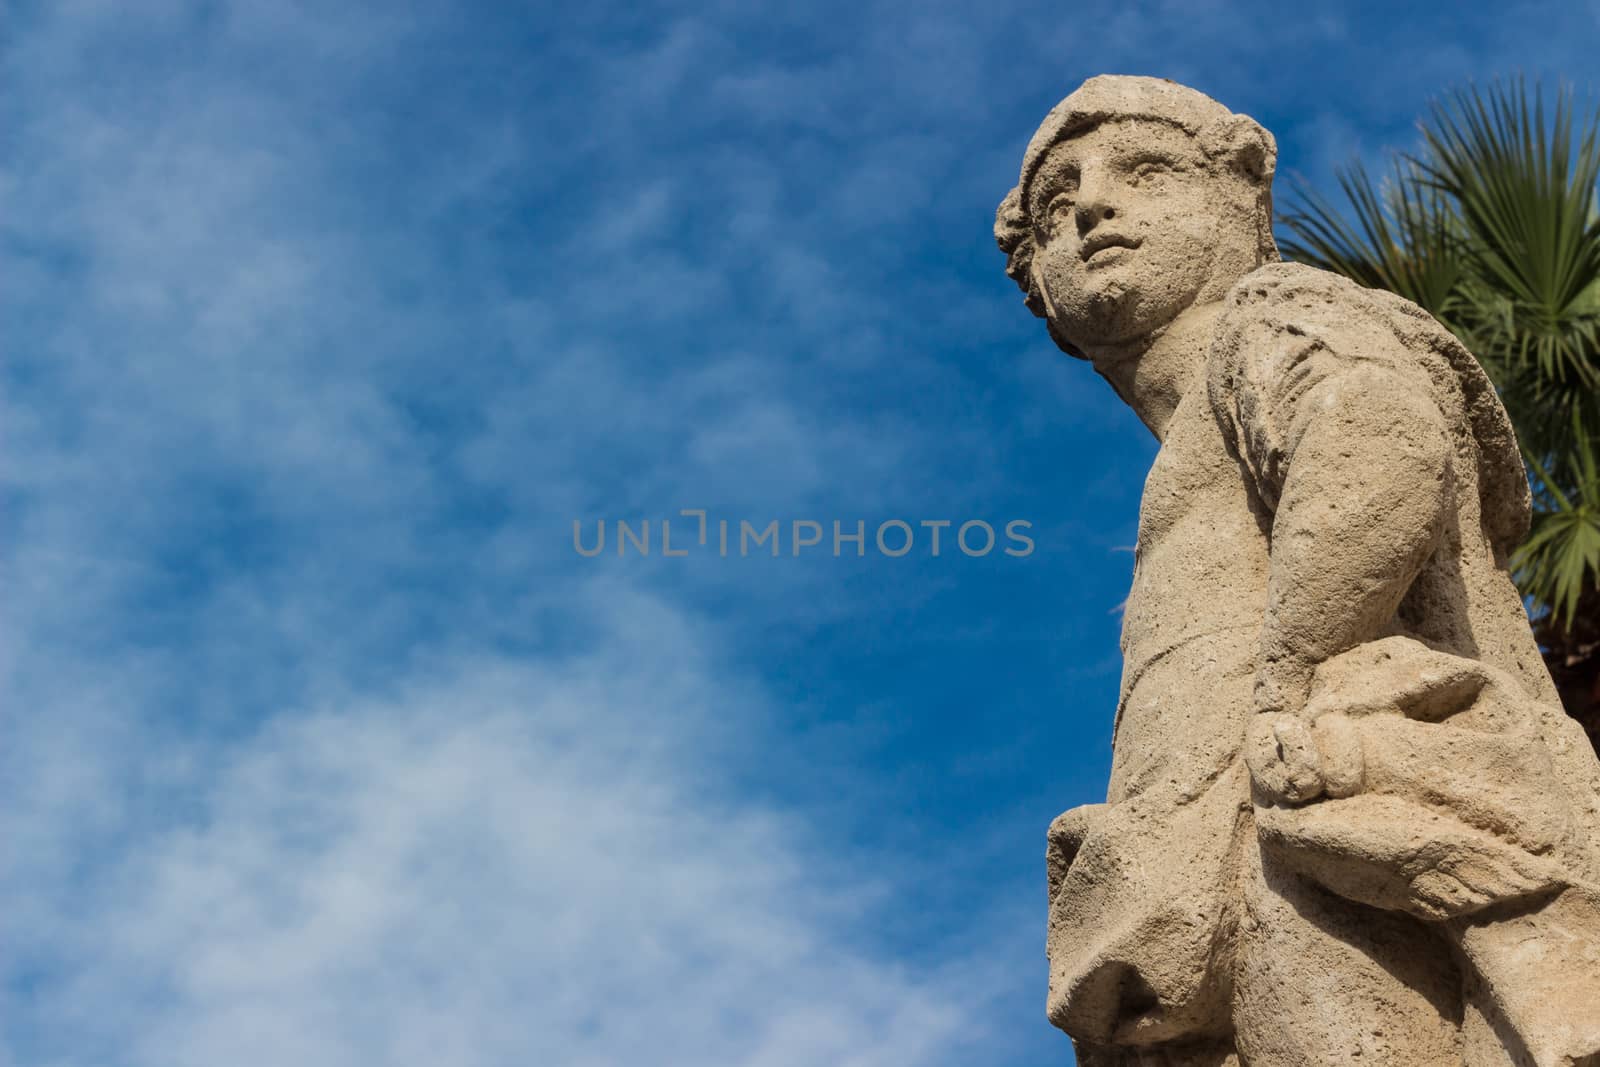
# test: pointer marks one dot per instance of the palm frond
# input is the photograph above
(1524, 187)
(1403, 236)
(1560, 560)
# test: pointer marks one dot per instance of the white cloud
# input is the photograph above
(495, 862)
(229, 836)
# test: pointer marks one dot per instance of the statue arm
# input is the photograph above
(1365, 486)
(1338, 423)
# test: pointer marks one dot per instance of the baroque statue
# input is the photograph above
(1347, 820)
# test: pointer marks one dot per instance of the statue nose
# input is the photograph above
(1097, 195)
(1092, 211)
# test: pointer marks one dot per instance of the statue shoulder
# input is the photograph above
(1292, 300)
(1285, 328)
(1274, 280)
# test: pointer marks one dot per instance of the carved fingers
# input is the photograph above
(1285, 766)
(1295, 760)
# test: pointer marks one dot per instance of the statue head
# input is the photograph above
(1138, 198)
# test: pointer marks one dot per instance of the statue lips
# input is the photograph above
(1102, 249)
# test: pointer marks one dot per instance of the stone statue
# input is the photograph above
(1347, 820)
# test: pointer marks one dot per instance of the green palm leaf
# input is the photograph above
(1403, 237)
(1524, 189)
(1560, 560)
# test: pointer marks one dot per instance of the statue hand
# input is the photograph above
(1279, 749)
(1285, 766)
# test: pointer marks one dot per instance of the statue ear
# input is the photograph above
(1242, 143)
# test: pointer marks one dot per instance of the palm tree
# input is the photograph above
(1493, 226)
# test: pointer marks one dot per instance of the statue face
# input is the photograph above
(1127, 219)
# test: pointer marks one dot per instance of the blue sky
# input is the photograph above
(324, 322)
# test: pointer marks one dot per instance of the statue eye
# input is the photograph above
(1062, 202)
(1150, 169)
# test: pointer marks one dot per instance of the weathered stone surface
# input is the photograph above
(1347, 820)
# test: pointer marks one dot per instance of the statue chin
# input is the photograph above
(1109, 320)
(1116, 312)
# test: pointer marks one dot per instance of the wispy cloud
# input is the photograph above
(494, 861)
(277, 791)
